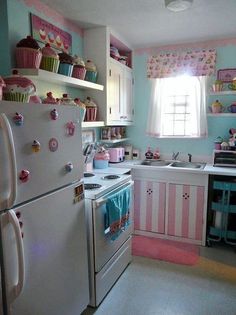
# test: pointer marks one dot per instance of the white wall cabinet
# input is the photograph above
(170, 205)
(120, 93)
(115, 103)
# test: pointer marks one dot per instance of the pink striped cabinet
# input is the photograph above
(149, 206)
(185, 211)
(170, 205)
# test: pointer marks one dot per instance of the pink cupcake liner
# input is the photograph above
(79, 72)
(50, 64)
(91, 114)
(28, 58)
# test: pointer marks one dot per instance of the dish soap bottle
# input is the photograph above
(149, 154)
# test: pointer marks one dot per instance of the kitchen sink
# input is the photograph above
(180, 164)
(188, 165)
(155, 163)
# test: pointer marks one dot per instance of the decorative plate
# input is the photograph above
(226, 75)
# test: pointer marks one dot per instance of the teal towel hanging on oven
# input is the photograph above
(117, 213)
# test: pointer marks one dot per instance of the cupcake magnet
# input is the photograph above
(18, 119)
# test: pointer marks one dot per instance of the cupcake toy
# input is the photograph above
(79, 69)
(18, 88)
(82, 108)
(66, 64)
(2, 85)
(50, 99)
(91, 71)
(91, 109)
(50, 59)
(66, 100)
(28, 53)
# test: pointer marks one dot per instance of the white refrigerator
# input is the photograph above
(43, 249)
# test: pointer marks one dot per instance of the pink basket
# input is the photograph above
(91, 114)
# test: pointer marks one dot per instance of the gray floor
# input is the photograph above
(151, 287)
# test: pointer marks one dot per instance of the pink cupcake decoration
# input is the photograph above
(50, 59)
(50, 99)
(28, 53)
(79, 69)
(18, 88)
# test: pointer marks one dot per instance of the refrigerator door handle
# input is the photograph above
(17, 288)
(12, 157)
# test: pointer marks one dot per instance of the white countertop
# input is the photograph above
(135, 164)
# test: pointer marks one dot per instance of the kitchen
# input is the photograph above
(201, 149)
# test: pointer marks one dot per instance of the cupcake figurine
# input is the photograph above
(66, 100)
(28, 53)
(50, 59)
(18, 88)
(91, 109)
(79, 69)
(66, 64)
(82, 108)
(2, 85)
(50, 99)
(91, 71)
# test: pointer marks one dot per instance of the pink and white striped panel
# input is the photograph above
(149, 206)
(185, 211)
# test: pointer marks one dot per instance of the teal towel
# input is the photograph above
(117, 213)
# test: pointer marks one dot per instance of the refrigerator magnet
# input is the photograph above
(54, 114)
(36, 146)
(70, 128)
(53, 144)
(69, 167)
(18, 119)
(24, 176)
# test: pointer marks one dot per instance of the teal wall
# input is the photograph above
(217, 125)
(16, 25)
(4, 39)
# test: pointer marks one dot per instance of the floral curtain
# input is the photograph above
(171, 64)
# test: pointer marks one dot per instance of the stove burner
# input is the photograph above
(92, 186)
(107, 177)
(89, 174)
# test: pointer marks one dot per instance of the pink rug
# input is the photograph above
(171, 251)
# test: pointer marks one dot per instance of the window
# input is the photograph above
(178, 107)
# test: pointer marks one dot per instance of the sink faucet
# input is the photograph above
(189, 157)
(175, 155)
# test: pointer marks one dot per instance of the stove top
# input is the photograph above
(101, 183)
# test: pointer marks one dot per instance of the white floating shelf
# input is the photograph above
(222, 114)
(92, 124)
(47, 76)
(115, 140)
(223, 93)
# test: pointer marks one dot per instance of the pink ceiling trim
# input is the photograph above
(53, 15)
(197, 45)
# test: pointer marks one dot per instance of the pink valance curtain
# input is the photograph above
(171, 64)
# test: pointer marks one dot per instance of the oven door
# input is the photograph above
(104, 246)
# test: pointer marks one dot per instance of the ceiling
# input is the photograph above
(147, 23)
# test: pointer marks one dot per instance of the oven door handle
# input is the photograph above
(101, 201)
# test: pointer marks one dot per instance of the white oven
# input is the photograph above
(107, 258)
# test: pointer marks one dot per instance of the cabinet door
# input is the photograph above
(149, 206)
(115, 82)
(185, 211)
(127, 106)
